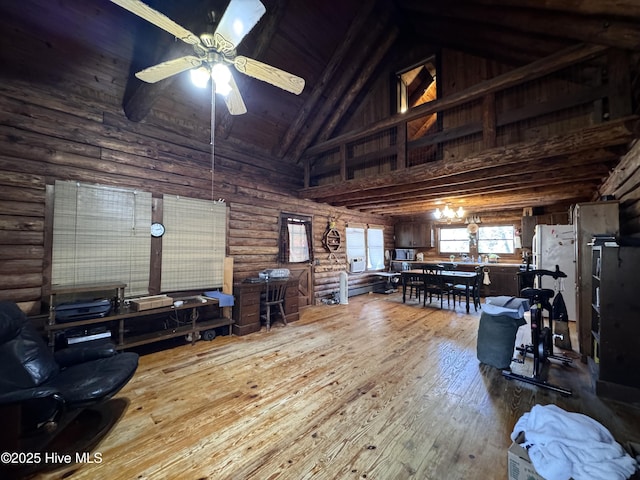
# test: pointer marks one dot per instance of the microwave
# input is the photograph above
(405, 254)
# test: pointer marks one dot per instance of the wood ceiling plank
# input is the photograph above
(537, 69)
(319, 90)
(601, 29)
(514, 199)
(615, 132)
(359, 67)
(618, 8)
(596, 162)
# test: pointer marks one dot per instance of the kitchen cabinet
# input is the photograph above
(414, 235)
(527, 231)
(504, 279)
(615, 328)
(529, 225)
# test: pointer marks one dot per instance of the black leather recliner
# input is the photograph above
(43, 389)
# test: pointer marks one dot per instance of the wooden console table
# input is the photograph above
(122, 314)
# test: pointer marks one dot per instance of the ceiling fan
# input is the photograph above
(214, 52)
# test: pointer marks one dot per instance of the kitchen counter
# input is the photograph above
(473, 264)
(503, 276)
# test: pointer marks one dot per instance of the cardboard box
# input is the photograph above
(147, 303)
(518, 462)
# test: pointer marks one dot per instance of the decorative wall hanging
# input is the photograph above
(331, 240)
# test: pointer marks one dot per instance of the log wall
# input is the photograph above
(44, 138)
(624, 185)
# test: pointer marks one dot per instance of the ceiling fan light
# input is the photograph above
(221, 77)
(223, 89)
(200, 77)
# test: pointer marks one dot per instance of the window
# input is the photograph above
(366, 243)
(101, 234)
(295, 239)
(416, 85)
(194, 245)
(375, 249)
(496, 239)
(356, 245)
(454, 240)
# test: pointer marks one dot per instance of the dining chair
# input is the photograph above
(434, 283)
(474, 289)
(274, 297)
(415, 285)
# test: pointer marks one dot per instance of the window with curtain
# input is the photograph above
(375, 248)
(356, 243)
(101, 234)
(295, 239)
(194, 243)
(368, 243)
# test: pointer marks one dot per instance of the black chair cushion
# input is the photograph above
(100, 379)
(25, 360)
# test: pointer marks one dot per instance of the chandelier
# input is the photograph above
(448, 213)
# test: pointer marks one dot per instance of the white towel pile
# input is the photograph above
(565, 445)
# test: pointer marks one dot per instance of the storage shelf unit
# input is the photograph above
(57, 291)
(615, 329)
(125, 317)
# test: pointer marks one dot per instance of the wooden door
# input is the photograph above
(303, 273)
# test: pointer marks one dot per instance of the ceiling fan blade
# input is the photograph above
(234, 101)
(267, 73)
(166, 69)
(238, 19)
(158, 19)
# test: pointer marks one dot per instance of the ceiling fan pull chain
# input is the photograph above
(213, 130)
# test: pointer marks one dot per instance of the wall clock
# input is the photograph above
(157, 229)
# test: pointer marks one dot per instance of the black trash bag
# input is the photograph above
(560, 319)
(559, 309)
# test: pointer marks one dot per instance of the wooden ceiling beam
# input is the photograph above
(471, 197)
(608, 8)
(515, 199)
(266, 29)
(140, 96)
(603, 30)
(597, 162)
(354, 33)
(337, 114)
(495, 43)
(537, 69)
(615, 132)
(359, 66)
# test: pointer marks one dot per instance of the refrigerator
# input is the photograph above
(555, 245)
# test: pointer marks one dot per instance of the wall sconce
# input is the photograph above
(472, 219)
(448, 213)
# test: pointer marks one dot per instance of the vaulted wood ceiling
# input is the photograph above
(342, 48)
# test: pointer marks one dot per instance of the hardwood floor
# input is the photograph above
(375, 389)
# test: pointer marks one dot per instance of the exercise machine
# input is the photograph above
(542, 336)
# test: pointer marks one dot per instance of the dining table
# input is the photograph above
(451, 276)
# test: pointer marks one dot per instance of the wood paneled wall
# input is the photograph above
(43, 140)
(624, 185)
